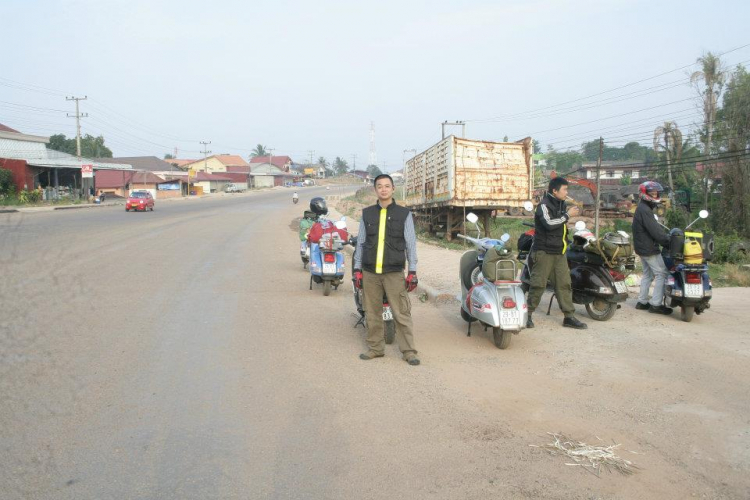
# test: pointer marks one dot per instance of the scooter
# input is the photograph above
(688, 285)
(389, 325)
(499, 304)
(598, 287)
(308, 219)
(327, 260)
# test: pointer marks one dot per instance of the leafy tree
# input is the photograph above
(505, 139)
(91, 147)
(563, 161)
(340, 166)
(734, 138)
(322, 161)
(260, 150)
(709, 82)
(537, 146)
(168, 157)
(374, 171)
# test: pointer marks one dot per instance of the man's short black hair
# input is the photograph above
(383, 176)
(556, 183)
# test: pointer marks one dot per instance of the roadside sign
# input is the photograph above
(87, 171)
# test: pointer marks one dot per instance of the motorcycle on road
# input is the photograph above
(688, 285)
(490, 293)
(327, 256)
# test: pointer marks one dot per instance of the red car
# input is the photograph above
(140, 200)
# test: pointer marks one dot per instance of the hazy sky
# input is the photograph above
(299, 76)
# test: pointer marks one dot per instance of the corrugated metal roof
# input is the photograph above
(37, 154)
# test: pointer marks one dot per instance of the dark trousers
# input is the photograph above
(554, 268)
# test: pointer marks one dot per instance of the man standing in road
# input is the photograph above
(386, 240)
(647, 236)
(548, 252)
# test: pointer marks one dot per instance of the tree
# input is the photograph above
(6, 182)
(322, 161)
(563, 161)
(91, 147)
(733, 136)
(340, 166)
(712, 75)
(505, 139)
(168, 157)
(374, 171)
(537, 146)
(260, 150)
(672, 146)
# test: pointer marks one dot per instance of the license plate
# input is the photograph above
(387, 314)
(620, 287)
(510, 318)
(329, 268)
(693, 290)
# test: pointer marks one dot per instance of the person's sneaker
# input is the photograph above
(660, 310)
(367, 356)
(412, 359)
(574, 323)
(642, 307)
(529, 323)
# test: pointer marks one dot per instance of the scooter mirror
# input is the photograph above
(656, 217)
(472, 217)
(580, 225)
(703, 214)
(528, 206)
(505, 237)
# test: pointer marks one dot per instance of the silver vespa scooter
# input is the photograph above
(490, 291)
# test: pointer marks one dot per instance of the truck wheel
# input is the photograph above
(390, 331)
(601, 310)
(501, 337)
(326, 288)
(686, 313)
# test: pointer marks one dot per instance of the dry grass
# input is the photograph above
(591, 458)
(729, 274)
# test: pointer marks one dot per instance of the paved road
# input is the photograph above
(179, 355)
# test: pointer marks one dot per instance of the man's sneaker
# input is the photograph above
(412, 359)
(529, 323)
(660, 310)
(642, 307)
(367, 356)
(573, 322)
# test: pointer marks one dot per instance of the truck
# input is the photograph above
(457, 176)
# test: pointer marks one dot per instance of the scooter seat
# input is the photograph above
(507, 282)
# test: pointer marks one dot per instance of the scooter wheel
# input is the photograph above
(327, 288)
(686, 313)
(501, 337)
(390, 331)
(601, 310)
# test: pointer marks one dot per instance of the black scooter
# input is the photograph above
(597, 286)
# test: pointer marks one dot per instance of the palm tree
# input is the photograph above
(672, 145)
(713, 76)
(260, 150)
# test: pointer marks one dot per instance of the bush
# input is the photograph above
(727, 248)
(7, 188)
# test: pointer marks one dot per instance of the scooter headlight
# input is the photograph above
(605, 290)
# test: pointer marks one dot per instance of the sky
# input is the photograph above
(312, 76)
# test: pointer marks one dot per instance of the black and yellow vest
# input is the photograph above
(385, 245)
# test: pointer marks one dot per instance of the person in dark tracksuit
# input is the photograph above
(548, 252)
(385, 241)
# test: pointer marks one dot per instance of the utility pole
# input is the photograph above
(463, 127)
(598, 187)
(78, 116)
(270, 157)
(205, 161)
(354, 162)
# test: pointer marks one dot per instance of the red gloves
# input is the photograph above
(357, 279)
(411, 281)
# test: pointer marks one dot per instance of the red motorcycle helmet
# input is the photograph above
(649, 186)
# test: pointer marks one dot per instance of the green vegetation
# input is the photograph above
(91, 147)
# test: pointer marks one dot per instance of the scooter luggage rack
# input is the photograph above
(498, 271)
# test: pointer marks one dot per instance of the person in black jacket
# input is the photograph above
(548, 252)
(647, 236)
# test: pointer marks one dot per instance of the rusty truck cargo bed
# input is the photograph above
(467, 173)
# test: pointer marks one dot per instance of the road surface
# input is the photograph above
(180, 355)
